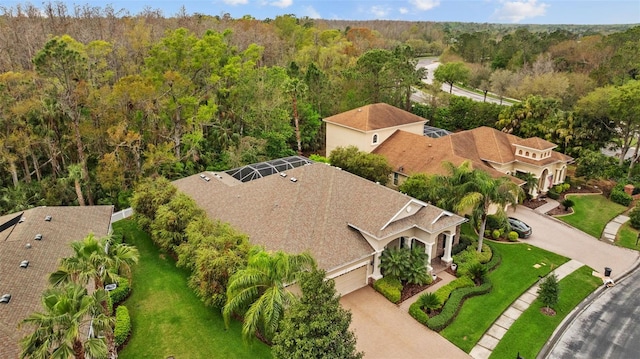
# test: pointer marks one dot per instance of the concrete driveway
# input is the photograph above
(556, 236)
(384, 330)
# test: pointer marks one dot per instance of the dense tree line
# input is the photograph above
(94, 99)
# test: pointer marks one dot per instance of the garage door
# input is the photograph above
(350, 281)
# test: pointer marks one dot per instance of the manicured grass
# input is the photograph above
(591, 213)
(627, 237)
(167, 317)
(513, 277)
(531, 331)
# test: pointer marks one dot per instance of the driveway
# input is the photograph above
(556, 236)
(385, 331)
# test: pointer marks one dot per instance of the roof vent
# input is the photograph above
(282, 174)
(207, 179)
(47, 218)
(27, 246)
(202, 175)
(5, 298)
(24, 264)
(22, 219)
(38, 237)
(293, 179)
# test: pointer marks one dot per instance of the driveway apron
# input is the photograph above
(384, 330)
(558, 237)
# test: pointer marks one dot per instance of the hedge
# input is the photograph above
(417, 313)
(443, 292)
(496, 259)
(620, 197)
(454, 303)
(121, 292)
(123, 325)
(390, 287)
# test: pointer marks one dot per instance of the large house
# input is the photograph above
(410, 152)
(31, 245)
(343, 220)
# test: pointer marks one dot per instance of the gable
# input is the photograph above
(374, 117)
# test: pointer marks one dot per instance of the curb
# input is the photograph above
(571, 317)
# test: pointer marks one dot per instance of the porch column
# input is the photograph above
(427, 249)
(447, 250)
(376, 266)
(407, 242)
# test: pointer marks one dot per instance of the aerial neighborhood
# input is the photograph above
(428, 179)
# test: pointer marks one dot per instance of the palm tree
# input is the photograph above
(98, 260)
(429, 301)
(58, 330)
(531, 182)
(260, 290)
(480, 191)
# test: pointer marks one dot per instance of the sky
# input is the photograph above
(481, 11)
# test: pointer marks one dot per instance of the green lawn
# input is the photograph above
(167, 317)
(513, 277)
(627, 237)
(592, 213)
(531, 331)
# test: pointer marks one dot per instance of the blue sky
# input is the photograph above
(492, 11)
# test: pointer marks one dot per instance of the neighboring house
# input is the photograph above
(343, 220)
(410, 152)
(488, 149)
(371, 124)
(25, 282)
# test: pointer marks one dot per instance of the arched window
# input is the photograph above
(375, 139)
(527, 154)
(520, 152)
(534, 155)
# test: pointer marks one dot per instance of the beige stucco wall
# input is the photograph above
(340, 136)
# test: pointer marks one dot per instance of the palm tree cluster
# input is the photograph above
(70, 309)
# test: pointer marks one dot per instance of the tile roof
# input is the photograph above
(483, 145)
(374, 117)
(25, 285)
(319, 213)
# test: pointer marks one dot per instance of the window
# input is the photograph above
(534, 155)
(527, 154)
(395, 178)
(375, 139)
(520, 152)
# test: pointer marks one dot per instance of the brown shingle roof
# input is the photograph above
(318, 213)
(374, 117)
(537, 143)
(68, 224)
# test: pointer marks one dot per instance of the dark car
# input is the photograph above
(523, 229)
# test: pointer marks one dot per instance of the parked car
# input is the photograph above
(523, 229)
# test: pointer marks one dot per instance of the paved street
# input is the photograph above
(606, 328)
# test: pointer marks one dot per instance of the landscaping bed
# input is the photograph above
(409, 290)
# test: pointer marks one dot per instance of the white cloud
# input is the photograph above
(311, 12)
(425, 4)
(379, 11)
(516, 11)
(282, 3)
(235, 2)
(403, 10)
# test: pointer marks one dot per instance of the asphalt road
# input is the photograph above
(606, 328)
(431, 64)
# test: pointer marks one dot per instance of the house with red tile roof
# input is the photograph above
(496, 152)
(343, 220)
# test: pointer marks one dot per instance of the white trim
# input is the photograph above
(443, 213)
(350, 269)
(403, 209)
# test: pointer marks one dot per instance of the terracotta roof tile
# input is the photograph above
(374, 117)
(25, 285)
(318, 213)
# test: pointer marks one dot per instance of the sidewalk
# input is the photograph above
(492, 337)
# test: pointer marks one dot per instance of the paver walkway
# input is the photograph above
(612, 228)
(492, 337)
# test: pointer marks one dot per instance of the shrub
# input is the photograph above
(452, 306)
(464, 242)
(416, 272)
(477, 272)
(428, 302)
(620, 196)
(553, 194)
(496, 259)
(566, 186)
(390, 287)
(513, 236)
(635, 216)
(549, 291)
(418, 314)
(567, 203)
(495, 234)
(497, 222)
(559, 188)
(123, 325)
(470, 256)
(443, 292)
(121, 292)
(395, 262)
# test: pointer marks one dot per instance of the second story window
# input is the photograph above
(374, 140)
